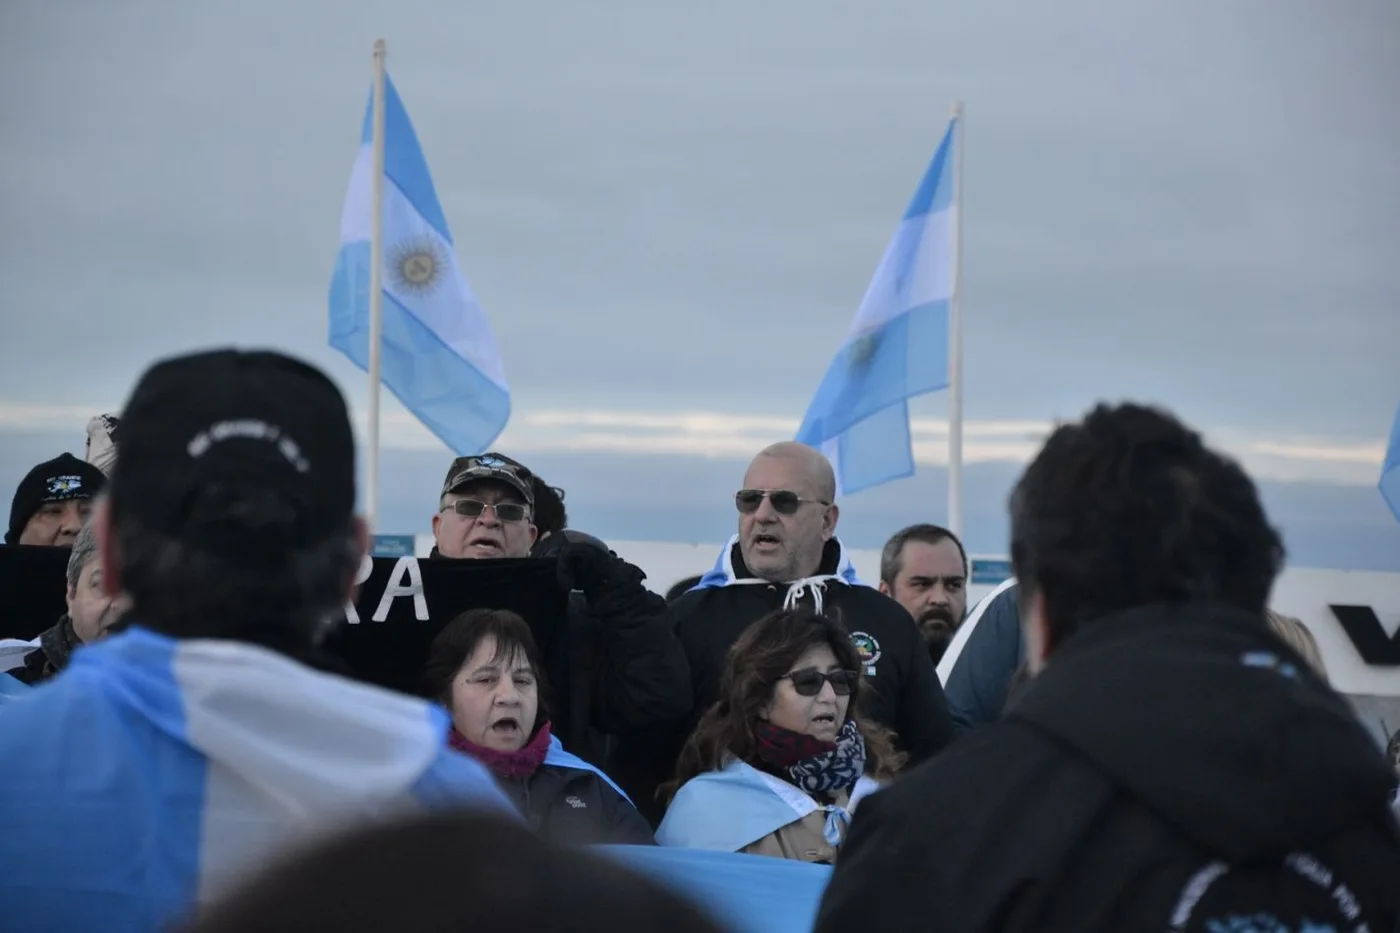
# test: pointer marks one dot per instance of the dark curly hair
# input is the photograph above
(1129, 508)
(550, 515)
(752, 668)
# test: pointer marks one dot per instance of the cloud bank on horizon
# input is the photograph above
(733, 436)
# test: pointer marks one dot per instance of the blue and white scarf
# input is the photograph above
(723, 574)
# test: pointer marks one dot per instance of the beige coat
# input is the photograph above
(801, 840)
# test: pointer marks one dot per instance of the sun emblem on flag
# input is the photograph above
(863, 350)
(417, 266)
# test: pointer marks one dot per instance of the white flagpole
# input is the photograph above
(955, 338)
(376, 289)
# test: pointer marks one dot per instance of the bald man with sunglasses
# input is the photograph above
(620, 671)
(786, 554)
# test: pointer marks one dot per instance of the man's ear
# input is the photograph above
(833, 514)
(885, 589)
(107, 552)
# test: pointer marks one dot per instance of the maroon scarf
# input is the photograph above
(784, 748)
(512, 766)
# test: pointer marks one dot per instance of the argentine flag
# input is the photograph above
(1390, 469)
(439, 355)
(155, 774)
(897, 346)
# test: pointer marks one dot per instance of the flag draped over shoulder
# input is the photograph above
(154, 774)
(897, 346)
(440, 357)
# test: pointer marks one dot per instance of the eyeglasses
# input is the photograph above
(472, 508)
(785, 501)
(808, 681)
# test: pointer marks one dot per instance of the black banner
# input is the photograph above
(1364, 628)
(400, 605)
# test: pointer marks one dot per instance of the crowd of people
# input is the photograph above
(1128, 738)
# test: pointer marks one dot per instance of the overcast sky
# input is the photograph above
(670, 210)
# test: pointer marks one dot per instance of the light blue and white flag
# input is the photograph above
(11, 687)
(560, 758)
(439, 355)
(744, 893)
(897, 346)
(13, 651)
(1390, 469)
(726, 810)
(152, 774)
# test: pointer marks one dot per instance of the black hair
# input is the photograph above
(1128, 508)
(550, 515)
(285, 598)
(892, 557)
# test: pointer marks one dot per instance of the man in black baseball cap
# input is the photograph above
(191, 746)
(52, 502)
(619, 669)
(485, 509)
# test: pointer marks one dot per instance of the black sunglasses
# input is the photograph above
(808, 681)
(785, 501)
(471, 508)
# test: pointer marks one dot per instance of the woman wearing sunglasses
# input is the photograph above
(777, 766)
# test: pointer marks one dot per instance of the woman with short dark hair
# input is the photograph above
(485, 669)
(778, 764)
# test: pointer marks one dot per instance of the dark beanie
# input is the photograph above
(57, 480)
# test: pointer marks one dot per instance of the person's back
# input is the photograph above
(1172, 764)
(178, 754)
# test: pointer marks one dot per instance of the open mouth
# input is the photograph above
(824, 719)
(506, 725)
(765, 540)
(485, 546)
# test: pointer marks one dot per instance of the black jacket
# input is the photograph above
(979, 683)
(1171, 769)
(620, 670)
(905, 693)
(577, 807)
(56, 646)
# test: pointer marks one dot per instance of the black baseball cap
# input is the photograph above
(490, 466)
(242, 453)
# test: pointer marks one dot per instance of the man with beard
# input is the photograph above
(924, 569)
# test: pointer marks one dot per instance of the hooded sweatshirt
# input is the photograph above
(153, 773)
(1172, 768)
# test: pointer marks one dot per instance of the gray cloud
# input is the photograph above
(678, 206)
